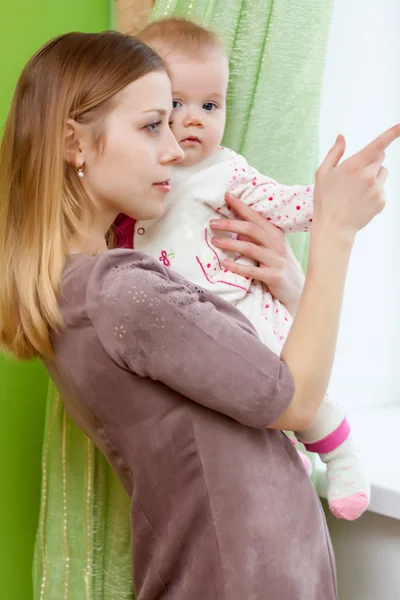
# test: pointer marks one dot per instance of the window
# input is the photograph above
(361, 98)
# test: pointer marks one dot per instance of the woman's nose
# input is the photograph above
(178, 154)
(174, 152)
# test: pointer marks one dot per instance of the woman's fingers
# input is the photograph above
(246, 238)
(248, 214)
(233, 226)
(374, 152)
(249, 249)
(241, 209)
(374, 149)
(250, 271)
(371, 171)
(333, 157)
(253, 226)
(382, 176)
(251, 231)
(375, 174)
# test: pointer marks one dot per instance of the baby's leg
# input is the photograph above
(348, 490)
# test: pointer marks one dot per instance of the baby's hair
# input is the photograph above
(179, 34)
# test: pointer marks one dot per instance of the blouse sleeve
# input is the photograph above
(157, 325)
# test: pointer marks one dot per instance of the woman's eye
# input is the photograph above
(153, 127)
(176, 104)
(209, 106)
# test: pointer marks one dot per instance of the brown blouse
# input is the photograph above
(176, 389)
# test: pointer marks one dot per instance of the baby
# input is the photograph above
(181, 238)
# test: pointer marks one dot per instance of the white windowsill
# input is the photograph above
(377, 433)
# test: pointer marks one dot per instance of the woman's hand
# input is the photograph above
(267, 245)
(349, 195)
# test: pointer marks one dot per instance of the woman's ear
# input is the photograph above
(73, 143)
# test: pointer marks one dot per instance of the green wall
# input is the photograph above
(24, 26)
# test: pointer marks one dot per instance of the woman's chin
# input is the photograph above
(156, 211)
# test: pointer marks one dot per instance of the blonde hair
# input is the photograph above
(179, 34)
(41, 198)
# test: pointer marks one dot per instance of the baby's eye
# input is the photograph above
(209, 106)
(176, 104)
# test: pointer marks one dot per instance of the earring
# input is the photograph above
(79, 170)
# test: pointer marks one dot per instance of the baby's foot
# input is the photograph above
(348, 489)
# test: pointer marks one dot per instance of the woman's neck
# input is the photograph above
(79, 246)
(90, 239)
(87, 242)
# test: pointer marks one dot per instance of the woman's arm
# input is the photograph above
(347, 197)
(157, 325)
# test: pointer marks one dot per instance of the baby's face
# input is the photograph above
(199, 94)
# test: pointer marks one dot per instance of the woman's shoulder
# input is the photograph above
(122, 279)
(100, 282)
(126, 296)
(114, 263)
(111, 266)
(115, 287)
(113, 271)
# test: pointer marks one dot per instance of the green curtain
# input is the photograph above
(276, 50)
(82, 545)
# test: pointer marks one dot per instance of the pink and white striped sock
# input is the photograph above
(348, 489)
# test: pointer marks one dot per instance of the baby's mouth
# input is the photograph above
(191, 140)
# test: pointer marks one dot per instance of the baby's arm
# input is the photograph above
(288, 207)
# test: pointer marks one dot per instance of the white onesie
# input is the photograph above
(181, 237)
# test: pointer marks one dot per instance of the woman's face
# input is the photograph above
(130, 173)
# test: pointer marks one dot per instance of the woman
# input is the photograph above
(171, 383)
